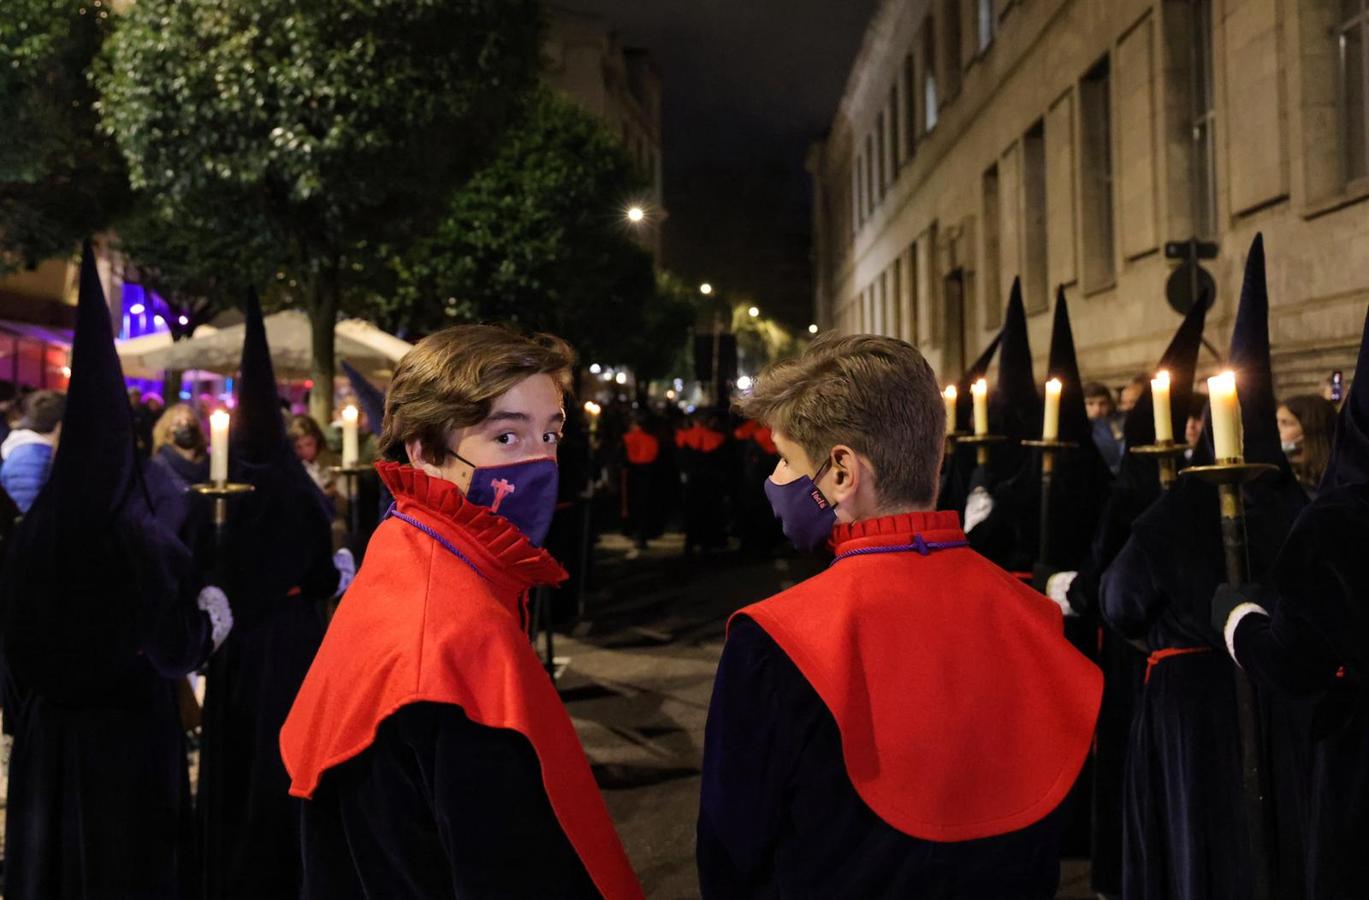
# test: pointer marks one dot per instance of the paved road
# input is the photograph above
(637, 685)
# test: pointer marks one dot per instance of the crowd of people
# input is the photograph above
(997, 669)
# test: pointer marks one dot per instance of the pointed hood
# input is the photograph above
(370, 397)
(1249, 358)
(95, 468)
(1016, 401)
(258, 426)
(1074, 418)
(1180, 360)
(1350, 454)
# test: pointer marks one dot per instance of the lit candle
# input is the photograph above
(1050, 427)
(980, 390)
(218, 446)
(1159, 392)
(1226, 416)
(949, 396)
(350, 451)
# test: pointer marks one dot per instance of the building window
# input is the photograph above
(909, 107)
(951, 16)
(993, 302)
(882, 155)
(1354, 87)
(914, 293)
(858, 193)
(1036, 290)
(869, 174)
(895, 135)
(1095, 158)
(1203, 157)
(882, 306)
(896, 308)
(985, 20)
(930, 103)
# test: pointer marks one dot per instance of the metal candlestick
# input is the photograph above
(1228, 475)
(1167, 454)
(351, 477)
(1049, 450)
(220, 491)
(981, 444)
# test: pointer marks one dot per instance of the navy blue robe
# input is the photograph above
(437, 807)
(779, 815)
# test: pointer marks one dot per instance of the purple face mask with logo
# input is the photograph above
(524, 493)
(806, 516)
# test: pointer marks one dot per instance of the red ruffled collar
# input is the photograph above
(500, 551)
(934, 526)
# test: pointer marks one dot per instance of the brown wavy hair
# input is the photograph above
(1317, 416)
(450, 380)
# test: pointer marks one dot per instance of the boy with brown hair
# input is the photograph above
(433, 753)
(908, 722)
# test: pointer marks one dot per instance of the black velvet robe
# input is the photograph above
(1314, 647)
(779, 815)
(706, 496)
(437, 807)
(1184, 820)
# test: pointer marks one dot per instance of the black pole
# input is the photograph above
(1253, 777)
(1043, 554)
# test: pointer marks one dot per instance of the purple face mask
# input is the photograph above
(524, 493)
(806, 516)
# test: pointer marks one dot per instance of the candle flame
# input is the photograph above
(1225, 382)
(949, 393)
(349, 413)
(219, 418)
(1161, 379)
(980, 387)
(1053, 386)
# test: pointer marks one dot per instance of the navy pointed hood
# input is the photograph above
(1180, 360)
(370, 397)
(1064, 365)
(1350, 453)
(1015, 402)
(258, 426)
(1249, 358)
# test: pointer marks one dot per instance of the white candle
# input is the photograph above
(949, 396)
(350, 451)
(1226, 416)
(980, 391)
(218, 446)
(1159, 392)
(1050, 427)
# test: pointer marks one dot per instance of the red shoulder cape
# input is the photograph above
(418, 624)
(963, 711)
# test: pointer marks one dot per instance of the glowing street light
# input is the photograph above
(753, 312)
(744, 383)
(621, 378)
(705, 289)
(812, 329)
(635, 214)
(595, 369)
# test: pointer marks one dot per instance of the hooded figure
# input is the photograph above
(1305, 634)
(1135, 488)
(279, 571)
(99, 615)
(1184, 818)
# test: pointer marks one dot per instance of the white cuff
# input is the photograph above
(214, 602)
(1233, 621)
(1058, 589)
(346, 565)
(977, 508)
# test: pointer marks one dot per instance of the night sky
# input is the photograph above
(747, 85)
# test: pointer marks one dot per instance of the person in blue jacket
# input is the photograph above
(27, 452)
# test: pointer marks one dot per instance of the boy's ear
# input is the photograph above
(847, 473)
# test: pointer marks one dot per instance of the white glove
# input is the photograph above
(346, 566)
(1058, 589)
(977, 508)
(214, 602)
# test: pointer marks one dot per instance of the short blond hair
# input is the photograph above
(877, 395)
(450, 380)
(161, 432)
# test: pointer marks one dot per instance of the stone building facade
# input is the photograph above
(622, 88)
(1066, 141)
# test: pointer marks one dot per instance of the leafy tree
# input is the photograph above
(338, 127)
(61, 179)
(537, 238)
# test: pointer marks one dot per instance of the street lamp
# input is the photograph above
(635, 214)
(812, 329)
(705, 289)
(753, 312)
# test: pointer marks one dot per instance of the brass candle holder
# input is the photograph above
(1229, 475)
(981, 443)
(351, 477)
(220, 491)
(1167, 454)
